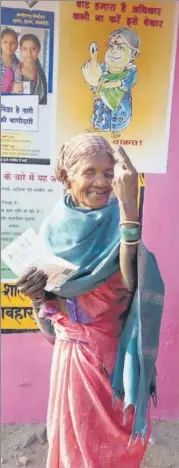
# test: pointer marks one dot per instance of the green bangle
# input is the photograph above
(130, 234)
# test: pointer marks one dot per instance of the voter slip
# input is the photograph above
(28, 251)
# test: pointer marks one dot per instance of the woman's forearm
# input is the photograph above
(112, 84)
(45, 325)
(128, 265)
(128, 253)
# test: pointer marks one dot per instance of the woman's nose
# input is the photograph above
(115, 46)
(99, 181)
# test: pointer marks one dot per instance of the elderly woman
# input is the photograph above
(96, 227)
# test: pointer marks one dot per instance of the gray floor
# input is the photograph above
(28, 442)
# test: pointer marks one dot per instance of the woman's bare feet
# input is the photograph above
(92, 130)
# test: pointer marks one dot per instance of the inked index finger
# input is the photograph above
(125, 160)
(26, 276)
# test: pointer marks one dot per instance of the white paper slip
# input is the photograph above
(28, 251)
(26, 87)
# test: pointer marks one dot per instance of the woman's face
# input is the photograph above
(29, 52)
(90, 182)
(9, 45)
(118, 54)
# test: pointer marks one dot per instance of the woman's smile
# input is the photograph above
(112, 58)
(99, 192)
(102, 196)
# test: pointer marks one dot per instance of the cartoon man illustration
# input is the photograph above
(112, 81)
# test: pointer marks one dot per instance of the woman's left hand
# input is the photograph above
(17, 88)
(111, 84)
(32, 284)
(125, 186)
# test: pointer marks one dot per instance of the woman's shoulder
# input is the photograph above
(131, 68)
(8, 72)
(7, 80)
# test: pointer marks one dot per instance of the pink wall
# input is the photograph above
(161, 235)
(25, 367)
(26, 358)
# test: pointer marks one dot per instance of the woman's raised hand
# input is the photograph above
(92, 70)
(125, 184)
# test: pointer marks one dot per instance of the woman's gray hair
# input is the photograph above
(130, 37)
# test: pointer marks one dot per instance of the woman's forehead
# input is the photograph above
(97, 159)
(9, 36)
(29, 42)
(116, 39)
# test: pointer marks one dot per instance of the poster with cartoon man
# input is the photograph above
(112, 81)
(116, 71)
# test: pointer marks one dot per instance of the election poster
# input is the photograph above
(116, 71)
(16, 309)
(28, 135)
(27, 48)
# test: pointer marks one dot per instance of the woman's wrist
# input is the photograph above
(37, 304)
(130, 227)
(128, 211)
(39, 299)
(130, 232)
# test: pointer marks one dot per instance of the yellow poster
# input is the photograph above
(116, 73)
(16, 309)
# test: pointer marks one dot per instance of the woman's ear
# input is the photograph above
(67, 184)
(64, 179)
(134, 54)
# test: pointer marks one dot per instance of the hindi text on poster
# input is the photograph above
(16, 309)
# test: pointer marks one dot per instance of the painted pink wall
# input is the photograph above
(161, 235)
(26, 358)
(25, 367)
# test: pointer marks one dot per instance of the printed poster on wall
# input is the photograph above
(27, 44)
(16, 309)
(116, 71)
(28, 124)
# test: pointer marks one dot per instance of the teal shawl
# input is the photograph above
(87, 238)
(90, 239)
(134, 378)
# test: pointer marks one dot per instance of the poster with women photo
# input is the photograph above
(27, 62)
(27, 53)
(28, 127)
(120, 59)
